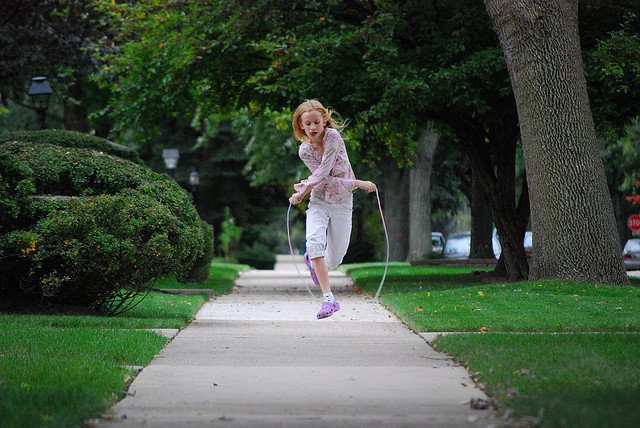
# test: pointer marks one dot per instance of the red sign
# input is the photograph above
(634, 222)
(635, 199)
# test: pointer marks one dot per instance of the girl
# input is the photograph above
(331, 185)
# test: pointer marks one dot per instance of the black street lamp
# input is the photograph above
(171, 157)
(194, 179)
(40, 92)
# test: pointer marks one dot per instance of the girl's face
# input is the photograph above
(313, 125)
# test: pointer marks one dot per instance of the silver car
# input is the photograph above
(458, 246)
(631, 254)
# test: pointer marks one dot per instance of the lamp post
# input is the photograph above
(171, 157)
(194, 179)
(40, 92)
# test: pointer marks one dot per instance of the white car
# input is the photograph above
(631, 254)
(461, 245)
(458, 246)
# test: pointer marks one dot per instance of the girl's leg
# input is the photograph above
(328, 230)
(338, 234)
(320, 266)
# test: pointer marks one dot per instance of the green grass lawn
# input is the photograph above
(221, 277)
(60, 370)
(577, 363)
(577, 379)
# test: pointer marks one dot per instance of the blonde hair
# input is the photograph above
(311, 105)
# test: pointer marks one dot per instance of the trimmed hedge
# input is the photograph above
(82, 227)
(64, 138)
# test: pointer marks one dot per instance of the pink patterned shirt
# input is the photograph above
(332, 178)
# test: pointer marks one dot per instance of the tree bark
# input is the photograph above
(396, 208)
(420, 195)
(573, 225)
(492, 150)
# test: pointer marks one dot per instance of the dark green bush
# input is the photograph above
(202, 266)
(257, 256)
(81, 227)
(73, 139)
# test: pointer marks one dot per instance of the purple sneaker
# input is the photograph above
(328, 309)
(313, 272)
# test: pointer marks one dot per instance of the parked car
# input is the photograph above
(461, 247)
(495, 243)
(437, 242)
(631, 254)
(458, 246)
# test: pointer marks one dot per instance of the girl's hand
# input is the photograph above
(295, 199)
(367, 186)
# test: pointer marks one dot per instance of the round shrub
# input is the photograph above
(74, 139)
(82, 227)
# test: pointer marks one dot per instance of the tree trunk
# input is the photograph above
(492, 151)
(481, 221)
(420, 195)
(396, 208)
(574, 229)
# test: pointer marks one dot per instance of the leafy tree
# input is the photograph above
(54, 38)
(388, 66)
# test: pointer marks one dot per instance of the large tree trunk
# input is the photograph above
(495, 168)
(396, 208)
(492, 151)
(574, 229)
(420, 195)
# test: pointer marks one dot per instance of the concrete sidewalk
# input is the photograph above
(258, 357)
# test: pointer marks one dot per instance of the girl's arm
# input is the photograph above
(296, 198)
(367, 186)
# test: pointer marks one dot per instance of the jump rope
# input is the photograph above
(386, 236)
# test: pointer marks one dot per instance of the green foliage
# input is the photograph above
(179, 48)
(613, 71)
(257, 256)
(230, 235)
(273, 151)
(47, 36)
(74, 139)
(201, 266)
(92, 229)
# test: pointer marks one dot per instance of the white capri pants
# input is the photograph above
(328, 230)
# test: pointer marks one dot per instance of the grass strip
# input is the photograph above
(579, 364)
(60, 370)
(221, 278)
(59, 376)
(451, 299)
(570, 380)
